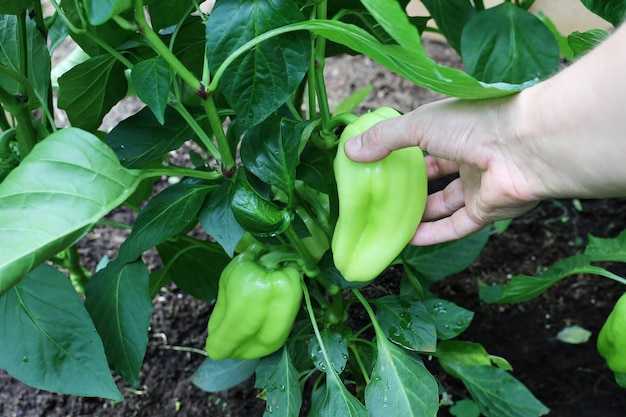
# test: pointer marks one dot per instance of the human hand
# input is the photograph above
(464, 137)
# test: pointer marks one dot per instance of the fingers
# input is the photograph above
(445, 202)
(460, 224)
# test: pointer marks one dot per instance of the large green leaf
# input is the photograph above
(334, 346)
(99, 11)
(38, 57)
(167, 13)
(525, 287)
(270, 151)
(450, 319)
(141, 139)
(613, 11)
(218, 220)
(279, 377)
(451, 17)
(407, 322)
(508, 44)
(118, 300)
(260, 82)
(66, 184)
(607, 249)
(168, 213)
(415, 67)
(253, 211)
(438, 261)
(497, 393)
(151, 79)
(194, 266)
(89, 90)
(215, 376)
(14, 6)
(48, 339)
(400, 384)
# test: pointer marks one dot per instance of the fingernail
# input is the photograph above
(353, 145)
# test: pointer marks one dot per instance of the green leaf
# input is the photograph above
(450, 319)
(438, 261)
(270, 151)
(451, 17)
(400, 384)
(607, 249)
(218, 220)
(279, 377)
(524, 287)
(109, 33)
(583, 42)
(465, 408)
(497, 393)
(315, 170)
(195, 266)
(168, 213)
(141, 139)
(453, 353)
(78, 180)
(254, 212)
(508, 44)
(574, 335)
(260, 82)
(151, 79)
(38, 58)
(336, 349)
(48, 339)
(118, 300)
(89, 90)
(14, 6)
(216, 376)
(388, 13)
(407, 322)
(100, 11)
(353, 101)
(337, 400)
(620, 379)
(167, 13)
(564, 48)
(612, 11)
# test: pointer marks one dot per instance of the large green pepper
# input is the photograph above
(255, 308)
(612, 338)
(380, 204)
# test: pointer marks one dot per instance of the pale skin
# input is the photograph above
(564, 137)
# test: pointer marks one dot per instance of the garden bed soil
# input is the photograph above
(572, 380)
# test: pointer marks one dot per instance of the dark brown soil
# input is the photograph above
(571, 380)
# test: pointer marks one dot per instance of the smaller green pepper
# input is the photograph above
(612, 338)
(255, 308)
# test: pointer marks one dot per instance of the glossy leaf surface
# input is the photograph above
(48, 339)
(66, 184)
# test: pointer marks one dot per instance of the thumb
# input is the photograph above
(373, 144)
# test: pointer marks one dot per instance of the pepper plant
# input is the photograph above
(248, 225)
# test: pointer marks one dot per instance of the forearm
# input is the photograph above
(574, 126)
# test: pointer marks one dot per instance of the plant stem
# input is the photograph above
(320, 61)
(18, 107)
(359, 361)
(22, 49)
(310, 267)
(157, 44)
(316, 330)
(479, 5)
(379, 332)
(228, 162)
(204, 138)
(183, 172)
(78, 274)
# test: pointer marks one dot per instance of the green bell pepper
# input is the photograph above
(255, 308)
(380, 204)
(611, 342)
